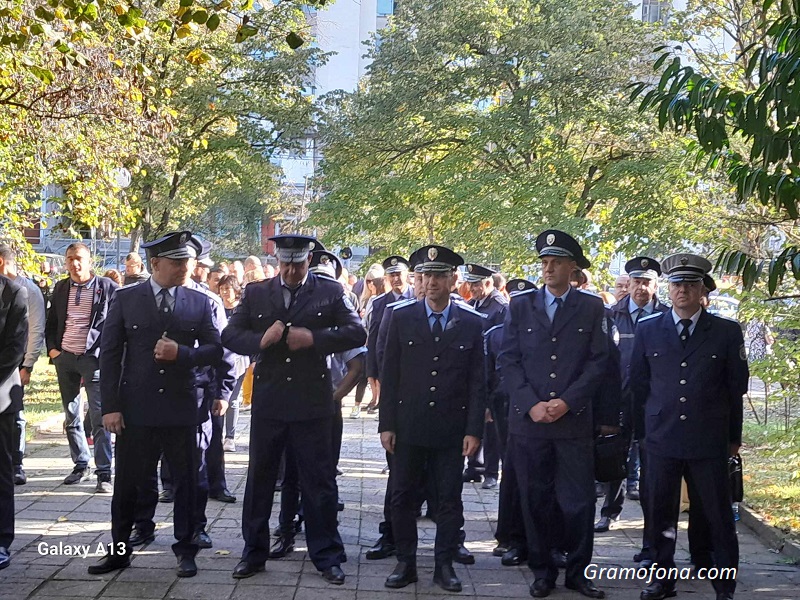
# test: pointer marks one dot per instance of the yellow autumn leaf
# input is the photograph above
(62, 519)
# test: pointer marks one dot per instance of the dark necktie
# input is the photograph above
(80, 287)
(685, 324)
(292, 295)
(559, 302)
(164, 304)
(437, 325)
(637, 315)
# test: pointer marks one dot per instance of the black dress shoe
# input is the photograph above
(541, 588)
(223, 496)
(500, 549)
(244, 569)
(585, 587)
(139, 538)
(464, 556)
(445, 577)
(404, 574)
(645, 563)
(489, 483)
(186, 567)
(559, 559)
(382, 549)
(110, 562)
(514, 557)
(657, 591)
(19, 477)
(632, 494)
(202, 539)
(339, 505)
(166, 496)
(724, 595)
(283, 545)
(333, 575)
(470, 476)
(5, 558)
(603, 524)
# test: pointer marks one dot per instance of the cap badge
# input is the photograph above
(183, 238)
(520, 286)
(684, 260)
(645, 262)
(551, 238)
(469, 268)
(312, 245)
(393, 261)
(324, 260)
(432, 253)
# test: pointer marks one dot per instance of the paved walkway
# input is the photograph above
(49, 513)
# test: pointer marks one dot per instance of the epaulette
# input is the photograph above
(651, 317)
(518, 294)
(401, 303)
(379, 296)
(468, 308)
(590, 293)
(491, 329)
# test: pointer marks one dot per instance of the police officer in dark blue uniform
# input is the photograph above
(158, 338)
(553, 361)
(512, 545)
(292, 322)
(641, 301)
(688, 373)
(432, 412)
(484, 465)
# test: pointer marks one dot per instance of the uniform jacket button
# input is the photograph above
(580, 330)
(258, 376)
(553, 357)
(410, 343)
(431, 403)
(552, 375)
(161, 371)
(161, 390)
(433, 388)
(552, 394)
(288, 379)
(683, 417)
(436, 339)
(683, 399)
(260, 315)
(553, 339)
(529, 329)
(136, 327)
(288, 360)
(682, 382)
(434, 373)
(684, 364)
(288, 324)
(435, 358)
(655, 353)
(461, 347)
(713, 356)
(319, 314)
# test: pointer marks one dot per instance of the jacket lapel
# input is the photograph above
(451, 328)
(566, 312)
(275, 298)
(700, 335)
(671, 333)
(149, 302)
(538, 308)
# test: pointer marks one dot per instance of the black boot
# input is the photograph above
(445, 577)
(283, 546)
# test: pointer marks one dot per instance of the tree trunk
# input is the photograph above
(136, 238)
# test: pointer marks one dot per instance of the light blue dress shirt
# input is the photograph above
(678, 327)
(550, 302)
(432, 319)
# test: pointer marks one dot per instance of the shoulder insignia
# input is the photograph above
(379, 296)
(467, 308)
(525, 293)
(402, 304)
(590, 293)
(651, 317)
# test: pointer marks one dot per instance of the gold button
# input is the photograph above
(683, 417)
(684, 364)
(434, 373)
(553, 357)
(431, 403)
(683, 382)
(683, 399)
(433, 388)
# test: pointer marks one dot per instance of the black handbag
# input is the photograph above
(737, 482)
(610, 457)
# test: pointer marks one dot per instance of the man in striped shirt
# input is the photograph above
(74, 326)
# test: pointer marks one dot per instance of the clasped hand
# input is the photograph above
(548, 412)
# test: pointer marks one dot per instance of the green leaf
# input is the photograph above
(46, 76)
(186, 3)
(213, 22)
(200, 17)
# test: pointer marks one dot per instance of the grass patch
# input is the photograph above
(42, 399)
(772, 475)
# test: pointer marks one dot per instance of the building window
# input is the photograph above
(655, 11)
(385, 7)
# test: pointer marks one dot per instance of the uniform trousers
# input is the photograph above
(310, 443)
(443, 467)
(19, 438)
(553, 474)
(644, 501)
(7, 448)
(71, 369)
(510, 522)
(138, 449)
(708, 478)
(148, 495)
